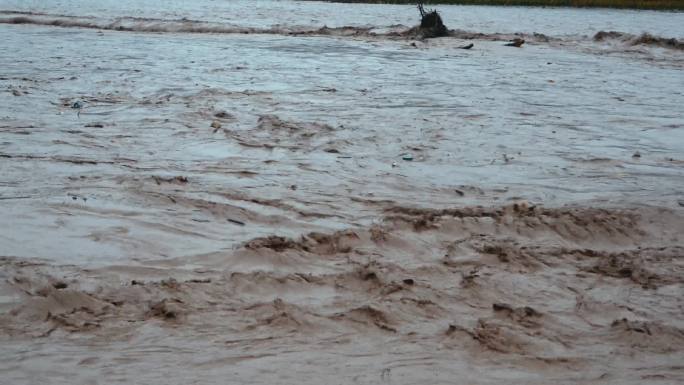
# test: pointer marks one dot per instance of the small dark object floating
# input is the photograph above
(469, 46)
(517, 42)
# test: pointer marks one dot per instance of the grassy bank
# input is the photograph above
(633, 4)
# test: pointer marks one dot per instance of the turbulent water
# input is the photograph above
(304, 192)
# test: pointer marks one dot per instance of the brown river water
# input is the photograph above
(282, 192)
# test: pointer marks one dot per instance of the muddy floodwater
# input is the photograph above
(283, 192)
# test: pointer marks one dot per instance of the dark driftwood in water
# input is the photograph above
(469, 46)
(517, 42)
(431, 24)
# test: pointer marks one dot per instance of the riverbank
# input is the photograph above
(665, 5)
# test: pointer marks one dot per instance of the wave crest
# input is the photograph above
(643, 39)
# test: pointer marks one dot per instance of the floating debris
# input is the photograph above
(223, 115)
(431, 24)
(517, 42)
(235, 221)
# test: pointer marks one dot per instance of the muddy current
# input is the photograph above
(299, 192)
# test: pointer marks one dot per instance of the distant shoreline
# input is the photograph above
(663, 5)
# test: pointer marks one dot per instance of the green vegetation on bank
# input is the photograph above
(634, 4)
